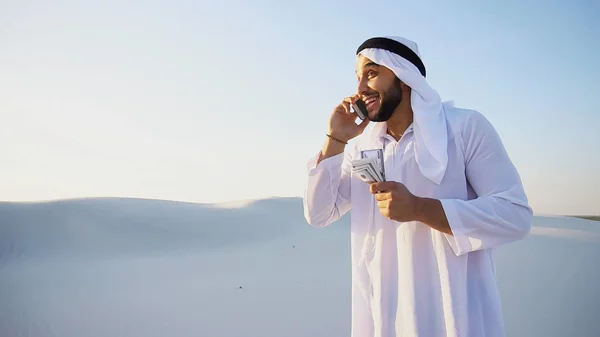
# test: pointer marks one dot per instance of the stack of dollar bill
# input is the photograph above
(369, 170)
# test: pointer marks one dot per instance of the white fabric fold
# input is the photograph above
(431, 148)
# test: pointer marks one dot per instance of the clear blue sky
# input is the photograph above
(209, 101)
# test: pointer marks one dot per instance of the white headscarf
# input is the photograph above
(429, 120)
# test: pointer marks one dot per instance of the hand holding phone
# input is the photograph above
(342, 124)
(360, 108)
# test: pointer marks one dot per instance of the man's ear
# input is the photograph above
(405, 88)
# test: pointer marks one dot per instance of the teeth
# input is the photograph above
(370, 100)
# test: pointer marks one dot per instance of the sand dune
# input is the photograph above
(131, 267)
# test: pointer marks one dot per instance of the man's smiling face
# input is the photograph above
(379, 88)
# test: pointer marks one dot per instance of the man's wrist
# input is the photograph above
(331, 148)
(337, 138)
(420, 211)
(431, 212)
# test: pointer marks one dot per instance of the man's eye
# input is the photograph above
(371, 73)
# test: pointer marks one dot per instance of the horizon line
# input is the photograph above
(247, 201)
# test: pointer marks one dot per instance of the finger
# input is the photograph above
(374, 188)
(380, 187)
(383, 196)
(346, 107)
(351, 99)
(384, 211)
(383, 204)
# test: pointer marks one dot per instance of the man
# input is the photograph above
(422, 240)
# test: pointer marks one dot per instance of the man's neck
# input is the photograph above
(399, 122)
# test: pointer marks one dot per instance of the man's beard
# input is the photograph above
(390, 99)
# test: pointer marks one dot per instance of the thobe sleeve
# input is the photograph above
(500, 213)
(327, 192)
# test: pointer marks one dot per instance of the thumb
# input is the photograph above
(382, 186)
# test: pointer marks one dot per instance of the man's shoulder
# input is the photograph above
(460, 117)
(466, 121)
(473, 130)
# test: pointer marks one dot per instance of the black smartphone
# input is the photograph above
(361, 109)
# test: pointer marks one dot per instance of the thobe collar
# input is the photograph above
(379, 134)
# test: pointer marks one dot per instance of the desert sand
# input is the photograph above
(133, 267)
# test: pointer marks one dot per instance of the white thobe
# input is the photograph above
(411, 280)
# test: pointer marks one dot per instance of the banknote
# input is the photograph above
(368, 170)
(378, 154)
(365, 174)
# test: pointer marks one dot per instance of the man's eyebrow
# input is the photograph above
(370, 64)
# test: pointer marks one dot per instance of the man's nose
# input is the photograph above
(362, 88)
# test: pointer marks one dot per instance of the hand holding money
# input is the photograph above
(395, 201)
